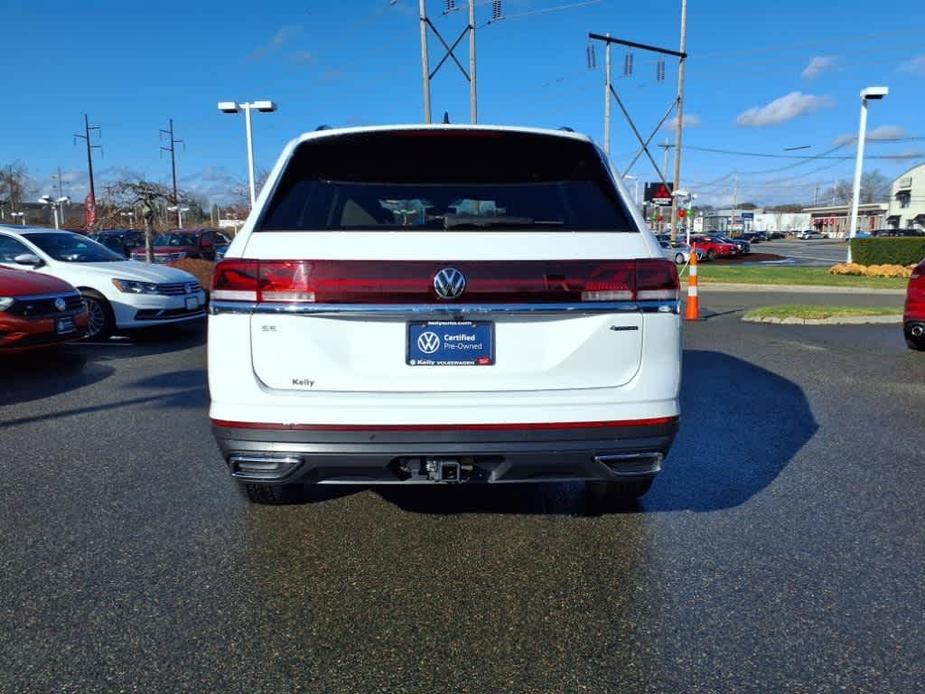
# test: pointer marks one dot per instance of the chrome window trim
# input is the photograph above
(577, 308)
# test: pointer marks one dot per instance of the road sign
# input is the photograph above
(747, 215)
(658, 194)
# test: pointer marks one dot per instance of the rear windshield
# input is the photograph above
(455, 181)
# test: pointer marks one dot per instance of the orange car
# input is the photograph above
(37, 310)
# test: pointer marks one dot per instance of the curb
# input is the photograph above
(835, 320)
(794, 288)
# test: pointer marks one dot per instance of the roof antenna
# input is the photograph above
(446, 117)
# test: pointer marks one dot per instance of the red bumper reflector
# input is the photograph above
(653, 421)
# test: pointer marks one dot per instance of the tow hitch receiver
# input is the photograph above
(443, 470)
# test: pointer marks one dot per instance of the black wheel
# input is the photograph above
(711, 254)
(679, 259)
(102, 320)
(271, 494)
(916, 343)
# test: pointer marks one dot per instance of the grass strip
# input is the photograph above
(815, 276)
(813, 312)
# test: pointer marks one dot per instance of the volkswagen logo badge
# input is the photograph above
(60, 304)
(428, 342)
(449, 283)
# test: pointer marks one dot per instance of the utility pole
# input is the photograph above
(665, 147)
(425, 62)
(735, 200)
(427, 74)
(90, 147)
(473, 92)
(679, 126)
(607, 79)
(173, 142)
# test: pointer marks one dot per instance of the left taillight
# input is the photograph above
(236, 280)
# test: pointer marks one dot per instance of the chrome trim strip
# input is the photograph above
(239, 307)
(42, 297)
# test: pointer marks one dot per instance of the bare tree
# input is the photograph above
(147, 199)
(875, 187)
(14, 186)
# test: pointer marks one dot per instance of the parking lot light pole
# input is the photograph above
(21, 215)
(247, 107)
(868, 94)
(179, 210)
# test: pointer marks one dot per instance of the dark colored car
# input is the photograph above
(741, 244)
(183, 243)
(37, 311)
(121, 241)
(914, 313)
(897, 232)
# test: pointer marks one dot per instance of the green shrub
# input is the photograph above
(888, 251)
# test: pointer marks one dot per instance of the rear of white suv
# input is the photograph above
(440, 304)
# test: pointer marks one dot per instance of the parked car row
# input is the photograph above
(168, 247)
(114, 293)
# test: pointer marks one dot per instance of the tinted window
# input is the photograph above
(175, 240)
(10, 248)
(72, 248)
(436, 180)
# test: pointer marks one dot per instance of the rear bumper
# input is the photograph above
(610, 451)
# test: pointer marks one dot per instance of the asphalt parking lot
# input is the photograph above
(817, 252)
(781, 550)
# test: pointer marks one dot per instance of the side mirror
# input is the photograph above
(28, 259)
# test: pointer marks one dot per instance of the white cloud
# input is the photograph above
(301, 57)
(916, 65)
(819, 64)
(781, 110)
(691, 120)
(883, 132)
(277, 41)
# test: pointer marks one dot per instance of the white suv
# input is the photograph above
(432, 304)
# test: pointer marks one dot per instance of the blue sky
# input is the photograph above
(762, 77)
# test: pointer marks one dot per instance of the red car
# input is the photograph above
(37, 311)
(713, 247)
(182, 243)
(914, 315)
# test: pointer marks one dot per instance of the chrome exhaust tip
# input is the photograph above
(264, 467)
(918, 330)
(631, 464)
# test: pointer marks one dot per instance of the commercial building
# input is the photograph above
(832, 220)
(907, 200)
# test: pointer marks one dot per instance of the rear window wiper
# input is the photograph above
(459, 221)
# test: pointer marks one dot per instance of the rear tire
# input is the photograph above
(711, 254)
(916, 343)
(271, 494)
(102, 320)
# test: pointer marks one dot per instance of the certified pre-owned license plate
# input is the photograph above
(451, 343)
(65, 325)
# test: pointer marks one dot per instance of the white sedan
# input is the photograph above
(119, 293)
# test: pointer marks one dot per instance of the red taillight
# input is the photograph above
(918, 272)
(492, 282)
(235, 280)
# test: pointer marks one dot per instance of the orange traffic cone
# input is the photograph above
(692, 308)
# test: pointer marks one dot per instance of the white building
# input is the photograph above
(907, 200)
(780, 221)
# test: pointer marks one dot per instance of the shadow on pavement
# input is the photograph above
(48, 372)
(45, 373)
(740, 427)
(141, 343)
